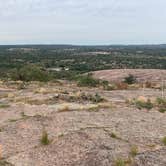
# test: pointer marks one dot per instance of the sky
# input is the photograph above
(83, 22)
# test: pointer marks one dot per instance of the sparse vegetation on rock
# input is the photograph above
(164, 140)
(134, 151)
(30, 73)
(130, 79)
(88, 80)
(44, 139)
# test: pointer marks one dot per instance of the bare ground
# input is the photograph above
(79, 135)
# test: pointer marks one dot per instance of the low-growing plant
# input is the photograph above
(164, 140)
(161, 104)
(113, 135)
(130, 79)
(144, 104)
(134, 151)
(4, 163)
(119, 162)
(44, 139)
(96, 98)
(88, 80)
(4, 106)
(162, 110)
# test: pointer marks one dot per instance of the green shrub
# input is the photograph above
(88, 80)
(147, 105)
(161, 103)
(30, 73)
(162, 110)
(130, 79)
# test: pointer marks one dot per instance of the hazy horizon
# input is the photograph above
(73, 22)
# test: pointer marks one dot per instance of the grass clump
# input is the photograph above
(4, 105)
(96, 98)
(134, 151)
(119, 162)
(164, 140)
(113, 135)
(4, 163)
(44, 139)
(65, 109)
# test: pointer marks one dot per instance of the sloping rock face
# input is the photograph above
(157, 157)
(79, 136)
(142, 75)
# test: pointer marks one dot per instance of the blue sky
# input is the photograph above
(82, 21)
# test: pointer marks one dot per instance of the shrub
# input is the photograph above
(130, 79)
(30, 73)
(161, 103)
(147, 105)
(162, 110)
(88, 80)
(113, 135)
(45, 140)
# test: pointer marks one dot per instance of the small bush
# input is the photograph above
(147, 105)
(113, 135)
(162, 110)
(130, 79)
(45, 140)
(88, 81)
(161, 104)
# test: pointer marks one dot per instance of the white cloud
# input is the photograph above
(75, 21)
